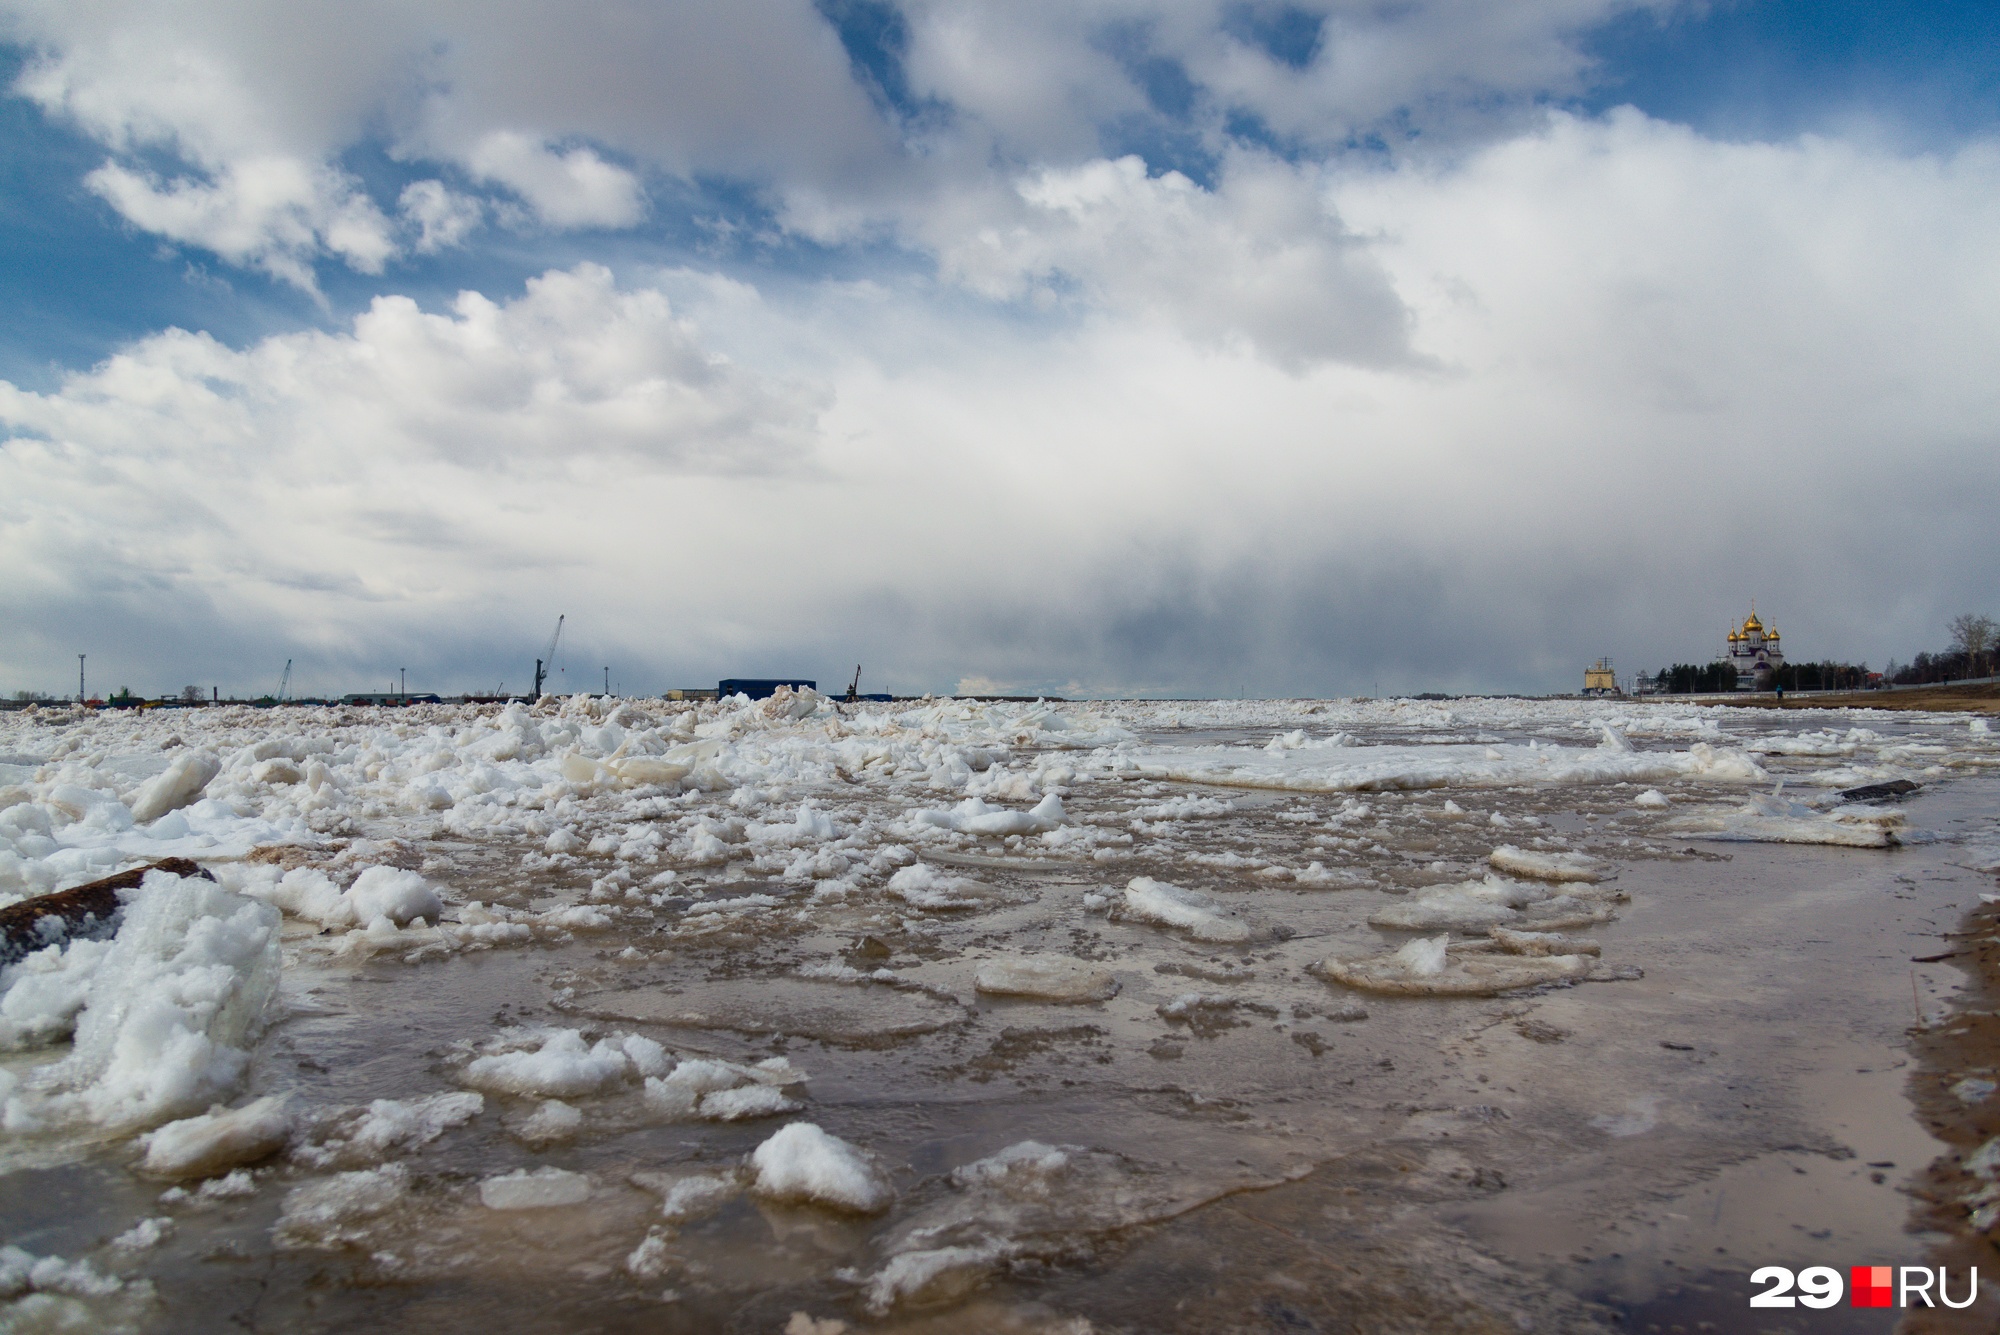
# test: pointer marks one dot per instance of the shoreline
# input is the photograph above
(1946, 1195)
(1976, 698)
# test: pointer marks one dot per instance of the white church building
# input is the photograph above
(1755, 653)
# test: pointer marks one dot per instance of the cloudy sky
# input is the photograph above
(1180, 347)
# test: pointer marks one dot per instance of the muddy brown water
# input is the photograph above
(1607, 1156)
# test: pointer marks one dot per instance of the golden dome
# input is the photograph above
(1752, 624)
(1771, 634)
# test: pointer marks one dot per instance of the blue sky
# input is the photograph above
(1928, 74)
(916, 333)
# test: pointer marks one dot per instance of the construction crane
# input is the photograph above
(547, 662)
(285, 681)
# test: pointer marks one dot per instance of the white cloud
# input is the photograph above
(1260, 259)
(573, 189)
(406, 469)
(443, 217)
(574, 371)
(274, 214)
(1041, 77)
(251, 198)
(529, 97)
(259, 103)
(1441, 66)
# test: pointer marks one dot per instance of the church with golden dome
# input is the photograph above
(1755, 653)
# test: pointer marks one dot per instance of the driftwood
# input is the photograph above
(86, 911)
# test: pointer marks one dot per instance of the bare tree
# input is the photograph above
(191, 693)
(1973, 636)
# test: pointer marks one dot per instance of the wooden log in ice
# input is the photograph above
(88, 911)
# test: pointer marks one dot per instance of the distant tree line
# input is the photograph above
(1721, 678)
(1826, 676)
(1974, 640)
(1698, 679)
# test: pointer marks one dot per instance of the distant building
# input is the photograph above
(761, 688)
(691, 693)
(1600, 679)
(391, 698)
(1753, 651)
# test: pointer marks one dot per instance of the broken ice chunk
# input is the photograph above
(803, 1163)
(537, 1190)
(1546, 866)
(1045, 978)
(1149, 900)
(218, 1139)
(1428, 968)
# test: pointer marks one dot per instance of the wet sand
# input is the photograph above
(1962, 1046)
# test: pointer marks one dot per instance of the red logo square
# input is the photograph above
(1871, 1285)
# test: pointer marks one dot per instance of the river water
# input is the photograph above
(1227, 1142)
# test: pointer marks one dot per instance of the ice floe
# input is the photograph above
(1474, 906)
(1148, 900)
(1391, 767)
(1046, 978)
(1438, 967)
(1772, 818)
(534, 1189)
(218, 1140)
(1546, 866)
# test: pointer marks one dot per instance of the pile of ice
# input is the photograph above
(48, 1293)
(923, 886)
(377, 897)
(162, 1015)
(127, 786)
(802, 1164)
(561, 1064)
(974, 816)
(358, 1137)
(751, 819)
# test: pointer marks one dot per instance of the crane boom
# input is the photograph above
(547, 661)
(285, 681)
